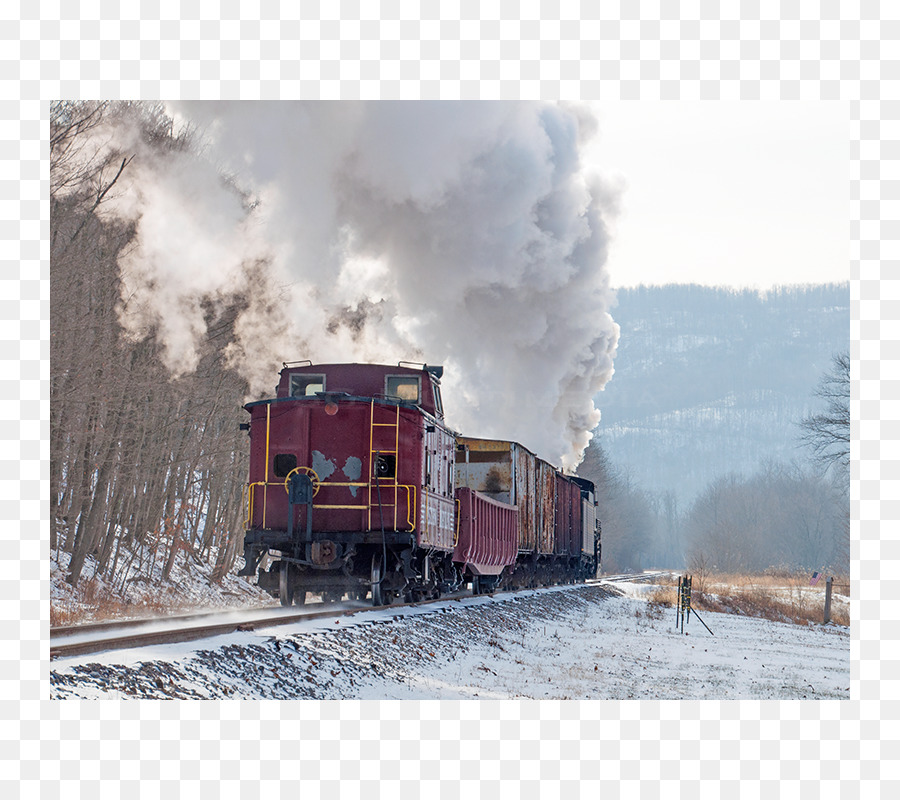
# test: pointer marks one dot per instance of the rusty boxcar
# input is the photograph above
(550, 537)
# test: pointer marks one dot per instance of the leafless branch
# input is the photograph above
(827, 434)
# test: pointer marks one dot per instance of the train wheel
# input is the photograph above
(476, 584)
(377, 593)
(285, 584)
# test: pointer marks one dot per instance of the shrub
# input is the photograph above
(779, 594)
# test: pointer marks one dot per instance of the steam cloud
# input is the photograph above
(467, 234)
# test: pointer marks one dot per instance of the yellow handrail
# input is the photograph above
(266, 475)
(410, 499)
(250, 487)
(410, 507)
(371, 467)
(411, 491)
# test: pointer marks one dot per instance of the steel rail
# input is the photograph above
(88, 627)
(642, 576)
(173, 636)
(123, 639)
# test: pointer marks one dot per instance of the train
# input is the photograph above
(357, 487)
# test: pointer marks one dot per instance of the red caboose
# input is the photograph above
(352, 482)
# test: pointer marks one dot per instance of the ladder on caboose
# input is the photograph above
(394, 485)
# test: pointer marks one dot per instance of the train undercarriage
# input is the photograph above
(384, 572)
(396, 569)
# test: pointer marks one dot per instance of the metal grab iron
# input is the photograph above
(300, 492)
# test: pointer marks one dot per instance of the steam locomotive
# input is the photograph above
(357, 487)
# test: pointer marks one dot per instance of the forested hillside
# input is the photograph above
(700, 460)
(711, 381)
(144, 469)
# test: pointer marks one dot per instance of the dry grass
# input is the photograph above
(780, 596)
(664, 596)
(92, 603)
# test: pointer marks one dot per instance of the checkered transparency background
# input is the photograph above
(392, 49)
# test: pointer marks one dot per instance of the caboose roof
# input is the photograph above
(367, 380)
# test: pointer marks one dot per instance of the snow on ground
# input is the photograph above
(585, 642)
(190, 588)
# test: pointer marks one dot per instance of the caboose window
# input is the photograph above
(284, 463)
(307, 385)
(384, 465)
(403, 386)
(438, 405)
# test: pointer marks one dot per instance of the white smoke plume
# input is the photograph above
(467, 234)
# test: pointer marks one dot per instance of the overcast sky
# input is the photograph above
(740, 194)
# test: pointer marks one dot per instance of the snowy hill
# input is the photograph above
(710, 381)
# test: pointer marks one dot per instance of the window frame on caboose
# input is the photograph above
(309, 379)
(407, 380)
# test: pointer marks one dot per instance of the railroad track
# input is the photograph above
(97, 637)
(76, 640)
(632, 578)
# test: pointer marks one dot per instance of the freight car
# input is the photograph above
(358, 487)
(557, 519)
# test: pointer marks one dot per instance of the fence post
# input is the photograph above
(678, 604)
(828, 584)
(690, 584)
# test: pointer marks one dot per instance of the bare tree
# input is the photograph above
(624, 510)
(781, 516)
(827, 434)
(142, 467)
(667, 546)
